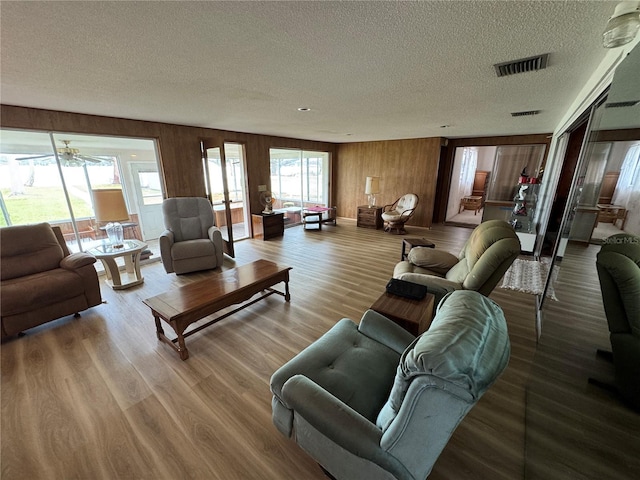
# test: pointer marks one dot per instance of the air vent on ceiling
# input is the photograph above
(525, 114)
(523, 65)
(629, 103)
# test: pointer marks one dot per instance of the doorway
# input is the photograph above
(225, 174)
(469, 181)
(148, 198)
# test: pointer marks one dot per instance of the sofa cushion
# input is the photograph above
(31, 292)
(352, 367)
(193, 249)
(391, 216)
(28, 249)
(438, 261)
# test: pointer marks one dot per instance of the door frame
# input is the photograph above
(133, 169)
(205, 144)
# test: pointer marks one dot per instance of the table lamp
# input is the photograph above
(371, 188)
(110, 208)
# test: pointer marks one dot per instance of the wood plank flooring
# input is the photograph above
(100, 398)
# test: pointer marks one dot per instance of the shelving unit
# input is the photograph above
(524, 206)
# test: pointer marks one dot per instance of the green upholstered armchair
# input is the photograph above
(371, 401)
(483, 260)
(618, 264)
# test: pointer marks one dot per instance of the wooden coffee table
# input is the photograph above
(414, 316)
(185, 305)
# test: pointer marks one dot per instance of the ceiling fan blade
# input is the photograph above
(95, 160)
(33, 158)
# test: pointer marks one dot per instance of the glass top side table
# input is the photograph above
(130, 252)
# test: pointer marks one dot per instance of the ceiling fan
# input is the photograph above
(71, 157)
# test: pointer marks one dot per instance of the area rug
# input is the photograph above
(529, 276)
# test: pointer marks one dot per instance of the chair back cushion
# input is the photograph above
(464, 351)
(486, 256)
(407, 202)
(189, 218)
(618, 264)
(28, 249)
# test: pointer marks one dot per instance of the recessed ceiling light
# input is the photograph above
(304, 109)
(445, 126)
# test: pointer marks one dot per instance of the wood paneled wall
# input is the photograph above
(404, 166)
(180, 158)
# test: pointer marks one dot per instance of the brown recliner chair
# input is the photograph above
(40, 280)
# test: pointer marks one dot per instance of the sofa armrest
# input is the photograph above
(384, 331)
(77, 260)
(215, 235)
(166, 241)
(331, 417)
(216, 238)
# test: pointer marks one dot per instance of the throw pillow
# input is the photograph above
(437, 260)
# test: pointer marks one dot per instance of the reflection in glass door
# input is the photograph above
(235, 168)
(225, 184)
(148, 195)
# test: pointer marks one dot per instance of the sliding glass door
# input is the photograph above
(48, 177)
(299, 179)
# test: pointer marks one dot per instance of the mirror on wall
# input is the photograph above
(604, 198)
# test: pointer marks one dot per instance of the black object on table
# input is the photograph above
(402, 288)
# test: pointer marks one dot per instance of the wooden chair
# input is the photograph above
(396, 214)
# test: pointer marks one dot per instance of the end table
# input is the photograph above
(409, 243)
(130, 251)
(414, 316)
(369, 217)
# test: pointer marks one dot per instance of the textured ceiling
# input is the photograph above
(367, 70)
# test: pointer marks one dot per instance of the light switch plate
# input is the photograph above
(262, 188)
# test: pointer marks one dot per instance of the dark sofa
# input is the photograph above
(40, 280)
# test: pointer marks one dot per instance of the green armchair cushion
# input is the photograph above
(351, 366)
(459, 353)
(438, 261)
